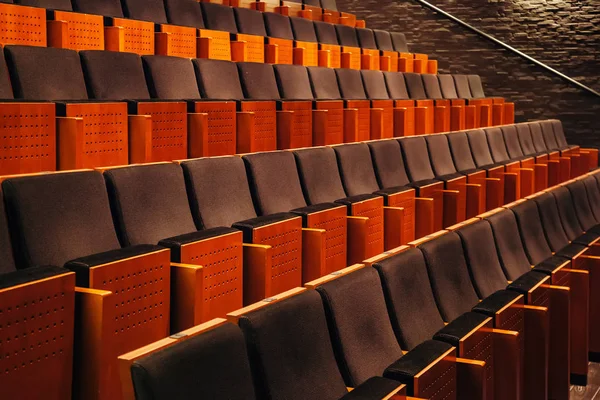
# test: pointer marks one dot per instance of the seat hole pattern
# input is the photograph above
(105, 129)
(221, 259)
(139, 36)
(22, 25)
(220, 45)
(285, 50)
(335, 55)
(255, 47)
(27, 138)
(221, 126)
(36, 336)
(311, 53)
(265, 124)
(286, 240)
(169, 129)
(85, 31)
(182, 41)
(439, 382)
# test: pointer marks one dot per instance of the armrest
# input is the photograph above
(140, 138)
(427, 370)
(351, 125)
(377, 124)
(452, 206)
(512, 187)
(541, 176)
(58, 34)
(404, 121)
(320, 126)
(313, 254)
(475, 200)
(114, 38)
(507, 372)
(324, 58)
(71, 141)
(393, 227)
(357, 239)
(457, 118)
(424, 215)
(197, 135)
(285, 129)
(441, 119)
(470, 379)
(246, 131)
(239, 51)
(527, 178)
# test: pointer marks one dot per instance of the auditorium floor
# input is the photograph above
(591, 391)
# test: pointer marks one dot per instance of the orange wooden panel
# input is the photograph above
(393, 60)
(140, 312)
(255, 47)
(317, 12)
(294, 9)
(311, 53)
(388, 116)
(169, 129)
(354, 54)
(335, 54)
(364, 117)
(265, 129)
(27, 138)
(372, 209)
(181, 43)
(348, 19)
(221, 126)
(139, 35)
(335, 122)
(84, 31)
(460, 185)
(269, 5)
(434, 191)
(477, 178)
(405, 200)
(285, 50)
(105, 140)
(286, 269)
(36, 338)
(513, 319)
(478, 345)
(221, 286)
(301, 134)
(220, 47)
(374, 64)
(22, 25)
(335, 223)
(438, 379)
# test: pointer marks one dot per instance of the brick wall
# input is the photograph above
(537, 93)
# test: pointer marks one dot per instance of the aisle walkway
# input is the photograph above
(591, 391)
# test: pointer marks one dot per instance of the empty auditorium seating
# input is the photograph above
(306, 50)
(502, 112)
(220, 196)
(483, 107)
(321, 183)
(275, 187)
(363, 38)
(413, 117)
(449, 92)
(65, 219)
(280, 46)
(208, 274)
(453, 118)
(436, 114)
(511, 135)
(328, 41)
(85, 137)
(589, 155)
(421, 62)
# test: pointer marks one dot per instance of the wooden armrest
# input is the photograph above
(451, 206)
(507, 363)
(313, 254)
(285, 129)
(357, 238)
(197, 135)
(424, 215)
(71, 140)
(239, 51)
(377, 124)
(140, 138)
(393, 225)
(246, 131)
(475, 199)
(438, 378)
(470, 382)
(404, 121)
(350, 125)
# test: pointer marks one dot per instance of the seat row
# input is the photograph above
(101, 108)
(218, 233)
(186, 28)
(515, 306)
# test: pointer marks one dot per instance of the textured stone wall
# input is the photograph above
(537, 93)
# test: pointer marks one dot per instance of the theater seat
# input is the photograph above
(388, 164)
(202, 363)
(306, 45)
(256, 122)
(451, 190)
(293, 355)
(515, 152)
(321, 183)
(375, 116)
(503, 113)
(371, 59)
(448, 91)
(365, 343)
(280, 42)
(275, 187)
(395, 122)
(443, 166)
(563, 164)
(26, 319)
(508, 174)
(327, 115)
(294, 117)
(589, 155)
(420, 62)
(219, 195)
(158, 130)
(389, 57)
(65, 219)
(276, 49)
(413, 117)
(436, 113)
(352, 56)
(328, 41)
(483, 107)
(211, 123)
(526, 174)
(451, 113)
(358, 177)
(150, 205)
(465, 164)
(244, 47)
(83, 138)
(573, 158)
(327, 93)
